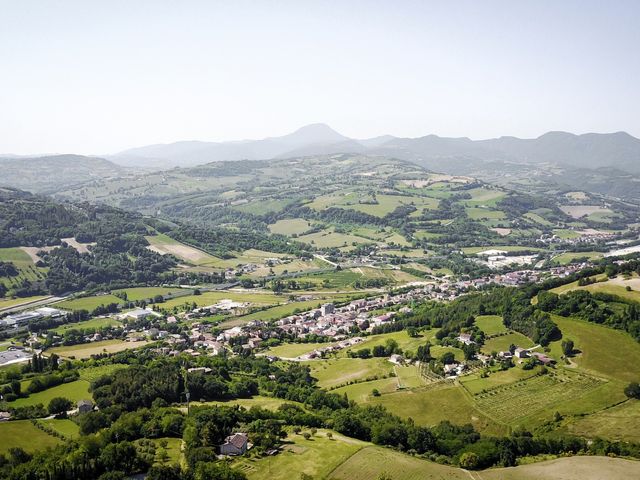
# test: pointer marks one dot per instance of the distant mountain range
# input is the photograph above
(592, 150)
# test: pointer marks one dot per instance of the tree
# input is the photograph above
(567, 347)
(329, 435)
(16, 387)
(165, 472)
(59, 405)
(469, 460)
(448, 358)
(632, 390)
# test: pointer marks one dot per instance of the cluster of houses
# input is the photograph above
(523, 353)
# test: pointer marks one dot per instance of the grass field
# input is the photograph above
(490, 324)
(66, 427)
(475, 384)
(614, 286)
(91, 373)
(569, 257)
(88, 303)
(370, 462)
(25, 435)
(145, 293)
(619, 423)
(605, 352)
(85, 350)
(163, 244)
(329, 238)
(211, 298)
(505, 248)
(430, 406)
(478, 213)
(74, 391)
(95, 323)
(292, 350)
(290, 226)
(502, 343)
(405, 342)
(23, 263)
(316, 457)
(268, 403)
(339, 371)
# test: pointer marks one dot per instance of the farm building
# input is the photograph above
(85, 406)
(465, 338)
(236, 444)
(521, 352)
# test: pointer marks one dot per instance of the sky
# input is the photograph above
(98, 77)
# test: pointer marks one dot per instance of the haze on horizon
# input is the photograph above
(99, 77)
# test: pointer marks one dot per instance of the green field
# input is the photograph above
(316, 457)
(290, 226)
(329, 238)
(502, 343)
(490, 324)
(505, 248)
(211, 298)
(619, 423)
(12, 302)
(85, 350)
(569, 257)
(475, 384)
(91, 373)
(477, 213)
(615, 286)
(88, 303)
(93, 323)
(74, 391)
(292, 350)
(334, 372)
(268, 403)
(65, 427)
(145, 293)
(405, 342)
(604, 351)
(23, 434)
(23, 263)
(432, 405)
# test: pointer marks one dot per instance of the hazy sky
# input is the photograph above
(101, 76)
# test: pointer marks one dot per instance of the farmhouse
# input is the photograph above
(542, 358)
(465, 338)
(521, 352)
(85, 406)
(236, 444)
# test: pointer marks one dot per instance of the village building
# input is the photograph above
(236, 444)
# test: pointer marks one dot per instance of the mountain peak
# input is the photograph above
(314, 133)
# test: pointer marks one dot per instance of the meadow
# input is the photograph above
(338, 371)
(147, 293)
(93, 323)
(23, 263)
(290, 226)
(490, 324)
(316, 457)
(68, 428)
(502, 343)
(88, 303)
(74, 391)
(23, 434)
(85, 350)
(618, 423)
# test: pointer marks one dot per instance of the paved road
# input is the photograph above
(32, 304)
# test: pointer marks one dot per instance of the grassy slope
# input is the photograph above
(88, 303)
(23, 434)
(74, 391)
(85, 350)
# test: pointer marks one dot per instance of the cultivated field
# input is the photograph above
(94, 323)
(85, 350)
(164, 244)
(23, 434)
(490, 324)
(74, 391)
(88, 303)
(621, 422)
(340, 371)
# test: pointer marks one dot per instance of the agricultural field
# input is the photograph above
(490, 324)
(502, 343)
(163, 244)
(292, 350)
(290, 226)
(146, 293)
(65, 427)
(505, 248)
(316, 457)
(211, 298)
(340, 371)
(94, 323)
(268, 403)
(91, 373)
(405, 342)
(262, 206)
(618, 423)
(88, 303)
(329, 238)
(85, 350)
(512, 403)
(23, 263)
(23, 434)
(433, 404)
(614, 286)
(475, 384)
(570, 257)
(74, 391)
